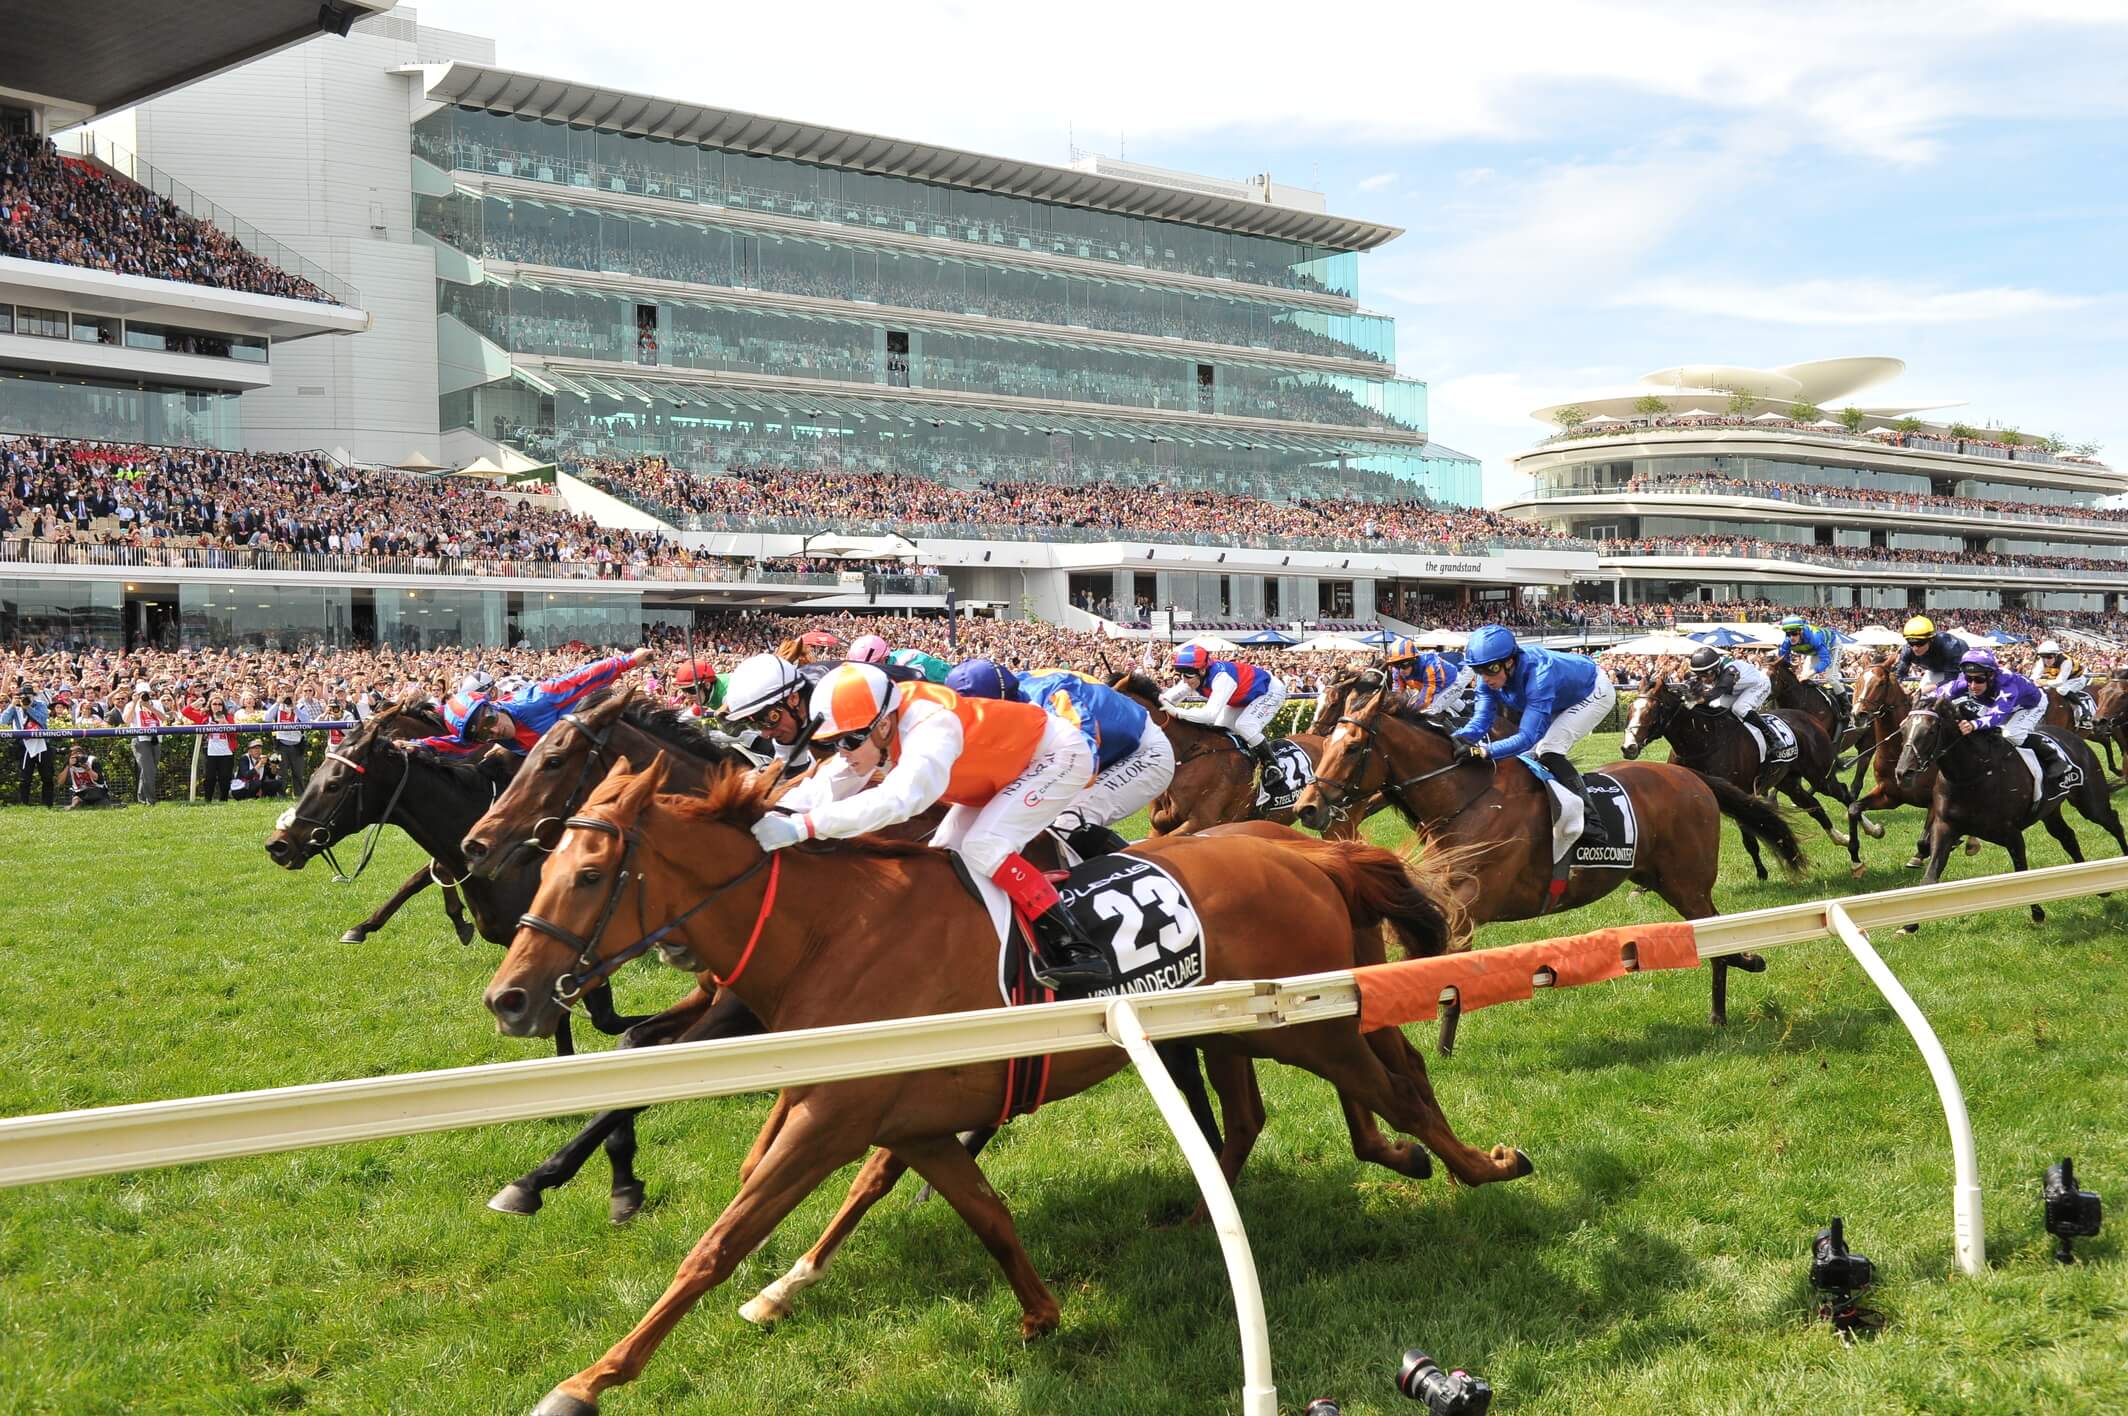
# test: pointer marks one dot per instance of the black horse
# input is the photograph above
(1984, 789)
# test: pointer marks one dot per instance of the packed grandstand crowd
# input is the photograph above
(1907, 433)
(71, 212)
(1745, 547)
(1817, 495)
(745, 492)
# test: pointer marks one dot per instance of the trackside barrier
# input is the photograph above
(106, 1140)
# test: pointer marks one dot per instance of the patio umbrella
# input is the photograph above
(1268, 636)
(1772, 418)
(1696, 413)
(1379, 638)
(1722, 637)
(1876, 636)
(1654, 644)
(1334, 644)
(820, 639)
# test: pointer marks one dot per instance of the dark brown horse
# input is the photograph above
(1813, 699)
(1983, 789)
(1496, 817)
(2110, 706)
(1713, 743)
(1269, 907)
(2061, 714)
(1881, 706)
(1215, 780)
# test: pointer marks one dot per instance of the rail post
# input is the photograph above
(1259, 1396)
(1967, 1239)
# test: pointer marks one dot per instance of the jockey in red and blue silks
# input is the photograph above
(1133, 760)
(1241, 698)
(518, 722)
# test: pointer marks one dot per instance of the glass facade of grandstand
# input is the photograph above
(111, 411)
(1034, 340)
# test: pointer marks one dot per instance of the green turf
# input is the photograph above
(1654, 1262)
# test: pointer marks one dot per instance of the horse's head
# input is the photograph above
(1370, 748)
(1651, 715)
(556, 777)
(1337, 695)
(2110, 702)
(353, 787)
(1923, 737)
(560, 942)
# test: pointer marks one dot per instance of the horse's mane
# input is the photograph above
(1139, 684)
(675, 727)
(1406, 708)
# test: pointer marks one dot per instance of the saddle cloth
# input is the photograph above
(2072, 774)
(1135, 909)
(1609, 798)
(1294, 767)
(1784, 748)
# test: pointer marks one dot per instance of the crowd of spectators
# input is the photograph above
(1957, 439)
(292, 503)
(1818, 495)
(1745, 547)
(892, 500)
(72, 212)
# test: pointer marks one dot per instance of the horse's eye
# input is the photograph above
(333, 784)
(588, 876)
(552, 764)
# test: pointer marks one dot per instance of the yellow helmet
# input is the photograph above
(1919, 630)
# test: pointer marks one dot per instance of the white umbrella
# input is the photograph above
(1773, 418)
(1439, 639)
(842, 547)
(1881, 433)
(1215, 643)
(1655, 644)
(1832, 423)
(1600, 418)
(1878, 636)
(1334, 644)
(1696, 413)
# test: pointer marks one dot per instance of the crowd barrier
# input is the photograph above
(108, 1140)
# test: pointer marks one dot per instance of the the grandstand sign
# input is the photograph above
(1461, 567)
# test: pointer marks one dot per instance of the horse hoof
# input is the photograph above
(2039, 916)
(625, 1203)
(1873, 829)
(465, 936)
(1914, 863)
(1523, 1166)
(353, 936)
(764, 1311)
(1909, 929)
(1841, 838)
(514, 1198)
(1972, 845)
(1034, 1325)
(1856, 871)
(1749, 963)
(559, 1403)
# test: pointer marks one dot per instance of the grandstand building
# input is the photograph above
(1806, 485)
(555, 274)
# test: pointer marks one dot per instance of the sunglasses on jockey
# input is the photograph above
(850, 742)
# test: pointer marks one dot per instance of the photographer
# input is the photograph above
(29, 710)
(290, 743)
(258, 775)
(85, 783)
(144, 710)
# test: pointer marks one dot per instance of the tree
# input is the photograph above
(1805, 411)
(1571, 416)
(2088, 449)
(2053, 442)
(1741, 400)
(1964, 433)
(1651, 405)
(2012, 437)
(1909, 425)
(1852, 418)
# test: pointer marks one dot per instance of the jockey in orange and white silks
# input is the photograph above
(1005, 769)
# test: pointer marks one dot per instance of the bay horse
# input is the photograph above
(1713, 743)
(1497, 821)
(1983, 789)
(2110, 705)
(1881, 706)
(1813, 699)
(1215, 779)
(867, 930)
(2061, 714)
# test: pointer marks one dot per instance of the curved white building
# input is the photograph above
(1809, 484)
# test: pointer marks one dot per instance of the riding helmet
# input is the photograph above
(1494, 644)
(1400, 650)
(758, 682)
(1706, 659)
(2049, 650)
(851, 698)
(1981, 659)
(1919, 630)
(1794, 624)
(985, 678)
(1192, 658)
(867, 649)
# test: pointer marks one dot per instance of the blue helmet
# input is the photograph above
(1192, 657)
(984, 678)
(1494, 644)
(1794, 624)
(462, 711)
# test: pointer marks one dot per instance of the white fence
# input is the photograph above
(73, 1144)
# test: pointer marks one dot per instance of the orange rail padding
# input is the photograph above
(1409, 990)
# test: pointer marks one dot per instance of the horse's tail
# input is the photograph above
(1755, 818)
(1416, 898)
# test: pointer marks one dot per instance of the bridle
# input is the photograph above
(599, 757)
(590, 970)
(1345, 792)
(321, 828)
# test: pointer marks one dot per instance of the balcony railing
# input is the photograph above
(1909, 442)
(33, 553)
(1831, 559)
(1689, 489)
(92, 147)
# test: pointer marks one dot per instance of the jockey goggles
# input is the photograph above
(850, 742)
(1497, 666)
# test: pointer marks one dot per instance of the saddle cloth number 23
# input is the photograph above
(1154, 894)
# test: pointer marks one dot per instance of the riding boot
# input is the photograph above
(2053, 764)
(1592, 831)
(1274, 779)
(1090, 840)
(1065, 958)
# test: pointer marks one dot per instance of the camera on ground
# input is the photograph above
(1455, 1393)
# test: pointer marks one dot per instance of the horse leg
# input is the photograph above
(415, 884)
(692, 1019)
(1751, 848)
(1797, 791)
(1939, 841)
(1368, 1142)
(598, 1007)
(778, 1114)
(953, 1172)
(1180, 1059)
(2015, 845)
(875, 1178)
(460, 925)
(824, 1134)
(1335, 1051)
(1233, 1075)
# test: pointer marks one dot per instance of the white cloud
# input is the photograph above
(1377, 182)
(1860, 302)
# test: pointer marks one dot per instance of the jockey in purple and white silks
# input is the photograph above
(2002, 702)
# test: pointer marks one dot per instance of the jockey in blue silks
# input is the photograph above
(1133, 760)
(1560, 698)
(1443, 687)
(1818, 649)
(519, 721)
(2006, 703)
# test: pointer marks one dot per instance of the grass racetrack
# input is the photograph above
(1654, 1263)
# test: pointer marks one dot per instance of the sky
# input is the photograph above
(1590, 190)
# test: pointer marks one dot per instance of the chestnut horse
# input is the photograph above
(1714, 744)
(1215, 780)
(868, 930)
(1495, 816)
(2110, 703)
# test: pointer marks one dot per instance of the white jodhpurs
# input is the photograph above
(1575, 723)
(1060, 769)
(1130, 785)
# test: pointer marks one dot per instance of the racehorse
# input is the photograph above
(2110, 708)
(1881, 706)
(1815, 700)
(2061, 713)
(1984, 789)
(1713, 743)
(1215, 778)
(867, 930)
(1386, 746)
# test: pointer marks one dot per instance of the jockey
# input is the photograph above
(2060, 672)
(1443, 688)
(901, 665)
(519, 721)
(1238, 697)
(1930, 652)
(1560, 697)
(767, 695)
(1007, 769)
(2008, 703)
(1736, 685)
(929, 667)
(1133, 760)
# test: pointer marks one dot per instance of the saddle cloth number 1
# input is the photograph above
(1148, 893)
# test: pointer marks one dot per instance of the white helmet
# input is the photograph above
(2048, 647)
(477, 684)
(510, 685)
(759, 682)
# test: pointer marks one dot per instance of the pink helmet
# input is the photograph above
(867, 649)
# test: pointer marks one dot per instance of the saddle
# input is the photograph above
(1568, 854)
(1280, 786)
(1783, 747)
(2055, 773)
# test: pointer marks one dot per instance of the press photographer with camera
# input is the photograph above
(85, 782)
(34, 755)
(144, 710)
(258, 774)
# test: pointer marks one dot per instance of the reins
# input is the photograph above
(324, 827)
